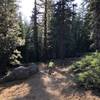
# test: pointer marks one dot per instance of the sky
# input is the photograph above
(26, 7)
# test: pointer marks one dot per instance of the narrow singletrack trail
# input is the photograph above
(42, 86)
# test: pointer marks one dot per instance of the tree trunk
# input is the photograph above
(45, 31)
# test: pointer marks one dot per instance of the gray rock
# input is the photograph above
(20, 73)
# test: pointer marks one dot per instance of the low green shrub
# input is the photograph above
(87, 71)
(15, 58)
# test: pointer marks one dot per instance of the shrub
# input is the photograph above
(87, 71)
(15, 58)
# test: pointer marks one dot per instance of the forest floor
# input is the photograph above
(42, 86)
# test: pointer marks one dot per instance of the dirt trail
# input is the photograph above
(42, 86)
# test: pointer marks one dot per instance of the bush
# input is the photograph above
(15, 58)
(87, 71)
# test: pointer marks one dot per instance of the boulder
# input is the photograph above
(20, 73)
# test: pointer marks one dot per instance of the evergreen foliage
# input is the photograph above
(87, 71)
(94, 6)
(56, 31)
(9, 32)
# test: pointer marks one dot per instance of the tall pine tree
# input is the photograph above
(95, 22)
(9, 31)
(61, 28)
(34, 24)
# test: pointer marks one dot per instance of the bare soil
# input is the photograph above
(42, 86)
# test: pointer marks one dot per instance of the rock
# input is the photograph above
(20, 73)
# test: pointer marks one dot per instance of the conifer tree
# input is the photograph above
(9, 31)
(34, 25)
(94, 6)
(61, 26)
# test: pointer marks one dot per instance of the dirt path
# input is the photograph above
(42, 86)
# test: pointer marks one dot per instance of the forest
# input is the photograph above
(59, 30)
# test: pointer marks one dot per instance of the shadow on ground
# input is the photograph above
(37, 90)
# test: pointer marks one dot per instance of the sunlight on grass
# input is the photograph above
(15, 91)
